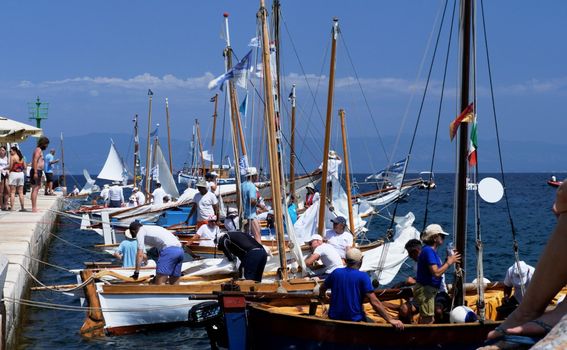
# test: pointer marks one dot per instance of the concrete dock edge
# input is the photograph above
(23, 237)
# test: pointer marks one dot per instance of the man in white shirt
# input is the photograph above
(211, 179)
(168, 267)
(140, 197)
(158, 195)
(337, 237)
(328, 255)
(515, 278)
(115, 195)
(104, 193)
(205, 203)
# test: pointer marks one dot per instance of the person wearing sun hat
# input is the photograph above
(430, 271)
(205, 203)
(206, 234)
(349, 287)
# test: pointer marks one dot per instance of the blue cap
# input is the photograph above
(339, 220)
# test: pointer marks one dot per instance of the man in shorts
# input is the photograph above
(168, 269)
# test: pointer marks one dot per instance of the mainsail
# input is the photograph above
(164, 175)
(114, 168)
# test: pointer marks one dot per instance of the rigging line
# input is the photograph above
(420, 70)
(343, 40)
(451, 27)
(423, 98)
(76, 246)
(508, 209)
(48, 264)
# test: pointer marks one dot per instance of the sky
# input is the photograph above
(94, 61)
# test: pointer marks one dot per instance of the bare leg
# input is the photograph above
(21, 196)
(550, 273)
(12, 196)
(255, 228)
(160, 279)
(173, 280)
(35, 191)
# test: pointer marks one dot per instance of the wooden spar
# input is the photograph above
(323, 200)
(168, 135)
(94, 323)
(347, 175)
(203, 166)
(147, 185)
(156, 143)
(232, 111)
(136, 150)
(216, 100)
(292, 145)
(63, 166)
(270, 122)
(461, 210)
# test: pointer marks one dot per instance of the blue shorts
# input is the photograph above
(169, 262)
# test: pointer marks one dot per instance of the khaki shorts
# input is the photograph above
(425, 296)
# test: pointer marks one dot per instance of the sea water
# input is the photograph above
(529, 201)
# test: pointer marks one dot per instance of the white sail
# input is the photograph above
(113, 169)
(90, 186)
(164, 175)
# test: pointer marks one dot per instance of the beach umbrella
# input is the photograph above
(14, 131)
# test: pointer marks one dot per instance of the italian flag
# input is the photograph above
(473, 145)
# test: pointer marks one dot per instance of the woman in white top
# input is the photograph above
(206, 234)
(4, 170)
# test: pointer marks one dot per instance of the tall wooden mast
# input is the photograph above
(168, 135)
(64, 184)
(234, 116)
(347, 174)
(461, 211)
(329, 120)
(147, 185)
(215, 99)
(292, 144)
(270, 122)
(136, 152)
(200, 143)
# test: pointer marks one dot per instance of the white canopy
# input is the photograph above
(13, 131)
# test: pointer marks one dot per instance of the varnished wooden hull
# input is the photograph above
(284, 331)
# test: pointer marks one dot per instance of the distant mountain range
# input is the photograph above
(90, 151)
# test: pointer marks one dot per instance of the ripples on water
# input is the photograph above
(530, 201)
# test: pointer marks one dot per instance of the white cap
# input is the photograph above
(353, 255)
(432, 230)
(251, 171)
(128, 234)
(316, 237)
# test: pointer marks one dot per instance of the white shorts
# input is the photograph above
(16, 179)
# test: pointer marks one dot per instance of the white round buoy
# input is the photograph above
(462, 314)
(490, 190)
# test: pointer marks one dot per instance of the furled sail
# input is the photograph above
(392, 175)
(114, 168)
(164, 175)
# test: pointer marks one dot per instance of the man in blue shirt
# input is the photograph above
(249, 203)
(430, 270)
(49, 161)
(349, 286)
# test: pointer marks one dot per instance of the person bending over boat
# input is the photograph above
(337, 237)
(442, 299)
(168, 269)
(430, 271)
(252, 255)
(327, 253)
(349, 286)
(127, 251)
(513, 281)
(205, 203)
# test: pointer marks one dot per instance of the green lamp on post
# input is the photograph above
(38, 111)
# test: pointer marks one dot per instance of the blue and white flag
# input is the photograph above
(155, 132)
(254, 42)
(238, 73)
(244, 107)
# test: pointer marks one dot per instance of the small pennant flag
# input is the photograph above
(244, 107)
(150, 92)
(473, 146)
(466, 116)
(214, 98)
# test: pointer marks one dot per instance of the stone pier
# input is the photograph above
(23, 236)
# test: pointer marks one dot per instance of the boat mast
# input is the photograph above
(168, 135)
(323, 200)
(63, 165)
(270, 122)
(216, 99)
(234, 116)
(461, 211)
(203, 166)
(347, 175)
(136, 151)
(292, 144)
(147, 185)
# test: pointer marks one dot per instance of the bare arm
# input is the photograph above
(439, 271)
(379, 308)
(139, 259)
(311, 259)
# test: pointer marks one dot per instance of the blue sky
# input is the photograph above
(94, 61)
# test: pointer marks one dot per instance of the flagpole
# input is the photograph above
(292, 144)
(63, 166)
(168, 135)
(147, 185)
(136, 150)
(203, 167)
